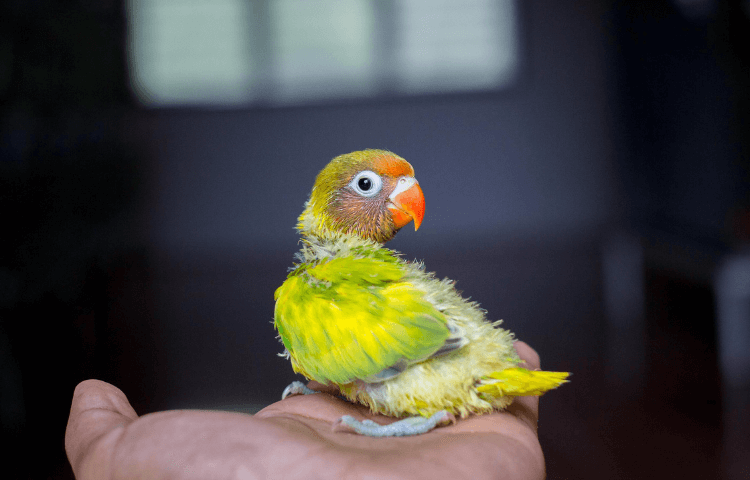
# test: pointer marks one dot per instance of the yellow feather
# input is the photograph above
(520, 382)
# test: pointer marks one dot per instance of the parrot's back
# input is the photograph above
(355, 314)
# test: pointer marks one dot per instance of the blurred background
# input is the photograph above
(585, 163)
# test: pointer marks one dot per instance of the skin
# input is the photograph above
(293, 438)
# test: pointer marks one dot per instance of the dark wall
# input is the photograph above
(683, 102)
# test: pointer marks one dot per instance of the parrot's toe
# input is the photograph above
(296, 388)
(402, 428)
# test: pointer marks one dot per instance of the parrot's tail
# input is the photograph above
(516, 382)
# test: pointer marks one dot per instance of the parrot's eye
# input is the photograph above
(366, 183)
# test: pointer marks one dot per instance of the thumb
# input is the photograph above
(98, 414)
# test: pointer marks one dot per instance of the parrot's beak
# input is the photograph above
(407, 203)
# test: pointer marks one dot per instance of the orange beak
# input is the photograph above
(407, 206)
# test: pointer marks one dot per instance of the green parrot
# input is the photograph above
(388, 334)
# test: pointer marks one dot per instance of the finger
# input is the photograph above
(527, 408)
(528, 355)
(98, 414)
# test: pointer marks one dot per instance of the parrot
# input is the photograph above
(384, 331)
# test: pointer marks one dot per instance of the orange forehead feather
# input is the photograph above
(392, 166)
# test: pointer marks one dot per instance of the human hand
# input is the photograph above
(293, 438)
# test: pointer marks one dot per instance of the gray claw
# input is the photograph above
(297, 388)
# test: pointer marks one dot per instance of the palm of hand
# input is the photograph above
(106, 439)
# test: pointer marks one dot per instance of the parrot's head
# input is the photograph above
(371, 193)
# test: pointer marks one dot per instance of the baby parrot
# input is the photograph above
(388, 334)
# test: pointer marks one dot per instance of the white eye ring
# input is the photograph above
(366, 183)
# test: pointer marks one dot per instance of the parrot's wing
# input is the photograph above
(455, 341)
(351, 318)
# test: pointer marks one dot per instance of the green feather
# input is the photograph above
(349, 317)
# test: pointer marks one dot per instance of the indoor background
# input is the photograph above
(585, 166)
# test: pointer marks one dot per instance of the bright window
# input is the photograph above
(239, 52)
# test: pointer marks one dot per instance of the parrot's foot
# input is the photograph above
(401, 428)
(297, 388)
